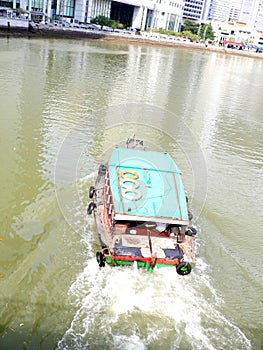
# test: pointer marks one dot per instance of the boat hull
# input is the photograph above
(129, 238)
(146, 263)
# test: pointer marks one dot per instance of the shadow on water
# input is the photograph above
(42, 257)
(36, 326)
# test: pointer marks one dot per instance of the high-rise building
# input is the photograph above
(193, 10)
(140, 14)
(217, 10)
(252, 14)
(166, 14)
(235, 9)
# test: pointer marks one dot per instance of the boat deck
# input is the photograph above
(141, 211)
(128, 240)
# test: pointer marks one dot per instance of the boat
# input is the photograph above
(141, 211)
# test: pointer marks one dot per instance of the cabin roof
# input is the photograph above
(146, 185)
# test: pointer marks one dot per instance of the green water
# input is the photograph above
(63, 106)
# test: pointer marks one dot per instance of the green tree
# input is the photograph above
(207, 32)
(116, 24)
(190, 26)
(105, 21)
(20, 11)
(203, 31)
(102, 21)
(188, 34)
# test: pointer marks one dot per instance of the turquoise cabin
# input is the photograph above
(146, 186)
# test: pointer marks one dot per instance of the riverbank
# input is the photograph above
(146, 38)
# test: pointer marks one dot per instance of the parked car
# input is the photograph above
(93, 26)
(107, 29)
(129, 31)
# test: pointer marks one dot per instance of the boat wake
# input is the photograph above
(125, 308)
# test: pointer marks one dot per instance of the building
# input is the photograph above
(252, 14)
(139, 14)
(235, 9)
(145, 14)
(235, 20)
(167, 15)
(248, 12)
(217, 10)
(193, 10)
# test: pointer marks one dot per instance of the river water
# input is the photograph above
(64, 105)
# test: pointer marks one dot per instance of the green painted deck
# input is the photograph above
(147, 185)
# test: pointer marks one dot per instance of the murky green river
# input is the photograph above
(63, 106)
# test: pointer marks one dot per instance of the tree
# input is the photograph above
(20, 11)
(102, 21)
(105, 21)
(188, 34)
(190, 26)
(207, 32)
(203, 31)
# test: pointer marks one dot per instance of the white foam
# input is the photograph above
(125, 308)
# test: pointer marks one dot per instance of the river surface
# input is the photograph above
(64, 104)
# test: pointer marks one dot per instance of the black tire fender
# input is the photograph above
(100, 259)
(102, 169)
(183, 268)
(91, 207)
(91, 192)
(191, 231)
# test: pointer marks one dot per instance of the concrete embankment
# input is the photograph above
(43, 31)
(36, 31)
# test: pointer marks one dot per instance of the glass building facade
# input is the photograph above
(101, 7)
(64, 8)
(7, 3)
(37, 5)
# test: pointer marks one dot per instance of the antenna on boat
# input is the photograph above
(130, 141)
(133, 143)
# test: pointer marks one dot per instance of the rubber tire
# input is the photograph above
(91, 207)
(91, 192)
(191, 231)
(102, 169)
(100, 259)
(183, 268)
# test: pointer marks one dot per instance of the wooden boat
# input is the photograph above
(141, 211)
